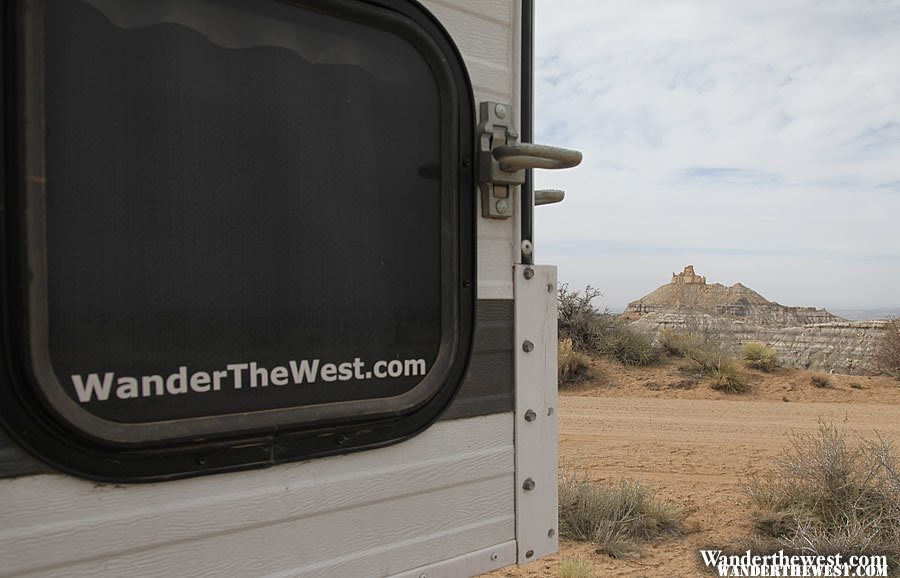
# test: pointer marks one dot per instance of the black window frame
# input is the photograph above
(169, 450)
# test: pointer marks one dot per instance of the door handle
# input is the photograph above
(503, 160)
(548, 196)
(525, 155)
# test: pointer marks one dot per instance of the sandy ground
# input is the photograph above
(698, 447)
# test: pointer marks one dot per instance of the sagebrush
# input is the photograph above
(577, 317)
(832, 494)
(614, 517)
(600, 332)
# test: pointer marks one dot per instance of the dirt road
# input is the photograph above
(697, 453)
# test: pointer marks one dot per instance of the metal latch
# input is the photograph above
(502, 160)
(548, 196)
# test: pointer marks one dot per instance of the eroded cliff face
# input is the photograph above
(730, 316)
(844, 347)
(689, 293)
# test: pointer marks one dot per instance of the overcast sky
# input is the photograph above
(757, 140)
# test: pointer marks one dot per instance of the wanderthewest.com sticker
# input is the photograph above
(161, 390)
(102, 387)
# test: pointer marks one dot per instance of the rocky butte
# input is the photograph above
(804, 336)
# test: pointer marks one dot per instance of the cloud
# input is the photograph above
(767, 129)
(729, 176)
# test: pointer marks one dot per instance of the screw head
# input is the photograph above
(528, 273)
(530, 415)
(528, 485)
(502, 206)
(527, 247)
(495, 556)
(527, 346)
(500, 111)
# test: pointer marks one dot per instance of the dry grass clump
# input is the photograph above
(613, 517)
(706, 360)
(593, 331)
(626, 345)
(887, 356)
(727, 377)
(720, 366)
(829, 494)
(572, 365)
(679, 342)
(575, 568)
(759, 356)
(820, 380)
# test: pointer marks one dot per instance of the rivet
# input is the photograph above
(500, 110)
(527, 346)
(502, 206)
(528, 273)
(467, 162)
(528, 485)
(530, 415)
(527, 247)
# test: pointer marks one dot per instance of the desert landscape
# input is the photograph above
(693, 442)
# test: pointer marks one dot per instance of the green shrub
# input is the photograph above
(575, 568)
(759, 356)
(593, 331)
(572, 365)
(679, 342)
(830, 494)
(820, 380)
(613, 517)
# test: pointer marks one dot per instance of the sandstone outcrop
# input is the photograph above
(730, 316)
(689, 292)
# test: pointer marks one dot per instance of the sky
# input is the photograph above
(756, 140)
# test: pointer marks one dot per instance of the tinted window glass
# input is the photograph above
(231, 183)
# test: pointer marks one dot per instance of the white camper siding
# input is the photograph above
(487, 35)
(445, 494)
(442, 494)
